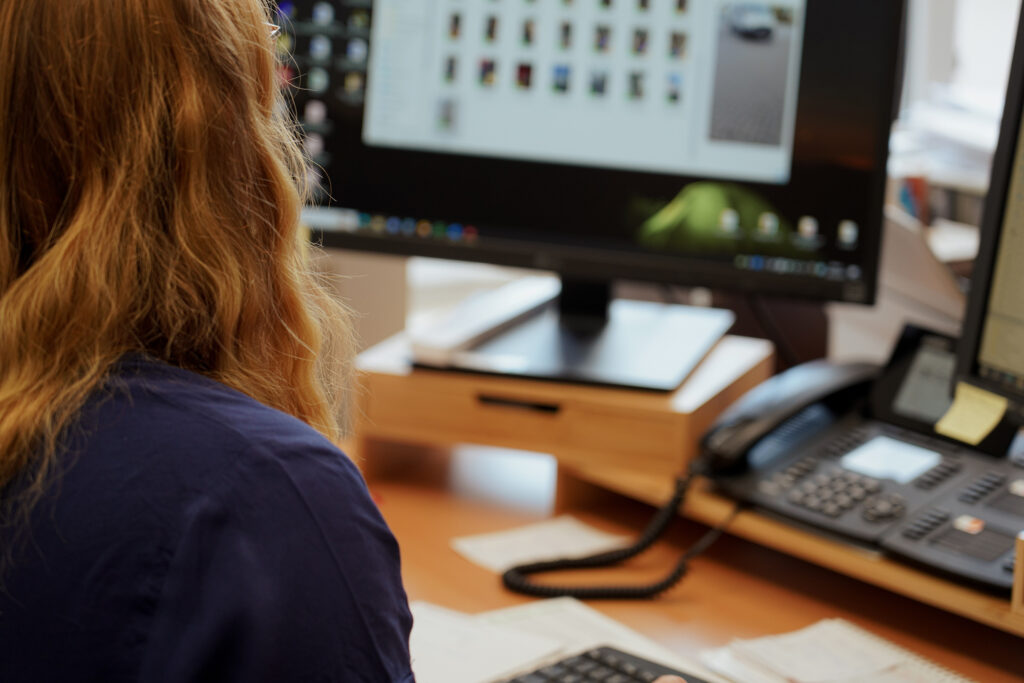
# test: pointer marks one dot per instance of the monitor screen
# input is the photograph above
(991, 352)
(1001, 351)
(704, 142)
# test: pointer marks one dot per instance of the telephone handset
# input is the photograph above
(779, 400)
(852, 450)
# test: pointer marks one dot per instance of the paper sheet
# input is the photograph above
(819, 653)
(563, 536)
(973, 415)
(724, 661)
(581, 628)
(830, 651)
(451, 647)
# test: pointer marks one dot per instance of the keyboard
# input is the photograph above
(604, 664)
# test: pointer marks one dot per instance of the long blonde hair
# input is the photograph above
(150, 190)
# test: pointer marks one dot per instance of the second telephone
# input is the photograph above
(852, 450)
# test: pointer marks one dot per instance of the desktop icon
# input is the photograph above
(729, 221)
(284, 44)
(408, 227)
(359, 20)
(636, 85)
(807, 227)
(448, 114)
(285, 76)
(565, 35)
(470, 234)
(439, 230)
(529, 31)
(354, 82)
(364, 221)
(318, 80)
(455, 232)
(286, 8)
(488, 72)
(314, 145)
(378, 224)
(320, 47)
(315, 179)
(640, 38)
(677, 45)
(849, 233)
(675, 88)
(315, 113)
(393, 225)
(357, 50)
(323, 13)
(348, 220)
(768, 225)
(524, 75)
(561, 80)
(424, 228)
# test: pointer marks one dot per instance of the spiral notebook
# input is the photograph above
(830, 651)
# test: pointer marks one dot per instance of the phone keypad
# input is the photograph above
(833, 493)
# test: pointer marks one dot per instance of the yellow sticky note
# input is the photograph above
(973, 415)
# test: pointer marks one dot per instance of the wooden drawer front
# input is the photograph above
(514, 420)
(643, 441)
(464, 417)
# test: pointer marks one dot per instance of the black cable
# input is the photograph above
(515, 579)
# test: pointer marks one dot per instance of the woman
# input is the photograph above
(172, 506)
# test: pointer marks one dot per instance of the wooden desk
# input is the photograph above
(736, 590)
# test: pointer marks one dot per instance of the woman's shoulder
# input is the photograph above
(172, 415)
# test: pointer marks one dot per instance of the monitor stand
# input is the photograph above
(581, 335)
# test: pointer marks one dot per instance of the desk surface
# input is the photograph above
(736, 590)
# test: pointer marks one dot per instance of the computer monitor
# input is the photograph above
(991, 351)
(735, 145)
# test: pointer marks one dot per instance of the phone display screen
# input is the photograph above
(886, 458)
(924, 394)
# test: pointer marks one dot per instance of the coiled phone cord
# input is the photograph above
(516, 578)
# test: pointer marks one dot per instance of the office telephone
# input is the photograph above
(852, 450)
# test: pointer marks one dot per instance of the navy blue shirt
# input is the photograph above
(198, 535)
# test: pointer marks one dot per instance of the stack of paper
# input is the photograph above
(830, 651)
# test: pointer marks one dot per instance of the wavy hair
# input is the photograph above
(150, 190)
